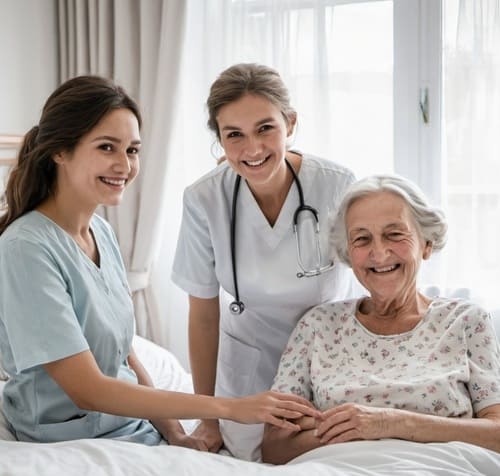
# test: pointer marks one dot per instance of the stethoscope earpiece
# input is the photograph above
(236, 307)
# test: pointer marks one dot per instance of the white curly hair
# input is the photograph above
(430, 221)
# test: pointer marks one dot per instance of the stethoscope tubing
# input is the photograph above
(237, 306)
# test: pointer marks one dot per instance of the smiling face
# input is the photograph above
(253, 133)
(103, 163)
(384, 246)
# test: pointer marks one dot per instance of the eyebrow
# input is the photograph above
(258, 123)
(114, 139)
(398, 225)
(356, 230)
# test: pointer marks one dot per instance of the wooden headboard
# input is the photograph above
(8, 148)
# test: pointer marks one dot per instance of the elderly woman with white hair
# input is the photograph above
(395, 363)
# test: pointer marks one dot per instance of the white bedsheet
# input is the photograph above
(109, 458)
(363, 458)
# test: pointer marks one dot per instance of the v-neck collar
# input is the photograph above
(249, 209)
(90, 262)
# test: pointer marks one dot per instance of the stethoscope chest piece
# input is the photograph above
(236, 307)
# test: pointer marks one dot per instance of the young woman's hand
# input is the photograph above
(179, 438)
(271, 407)
(307, 422)
(208, 431)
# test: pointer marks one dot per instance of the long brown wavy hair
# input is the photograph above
(70, 112)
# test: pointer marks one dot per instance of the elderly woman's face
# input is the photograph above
(384, 245)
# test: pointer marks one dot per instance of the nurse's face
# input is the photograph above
(253, 133)
(103, 163)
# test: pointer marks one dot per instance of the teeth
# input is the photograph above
(254, 163)
(385, 270)
(113, 181)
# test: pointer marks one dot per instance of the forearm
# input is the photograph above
(89, 389)
(203, 343)
(123, 398)
(280, 446)
(166, 426)
(411, 426)
(82, 380)
(203, 361)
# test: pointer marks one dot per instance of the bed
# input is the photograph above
(108, 457)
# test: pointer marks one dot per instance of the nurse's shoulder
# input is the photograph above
(212, 189)
(327, 167)
(327, 173)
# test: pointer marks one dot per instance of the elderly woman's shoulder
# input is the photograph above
(452, 309)
(457, 305)
(330, 311)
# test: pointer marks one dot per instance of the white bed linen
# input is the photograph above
(363, 458)
(109, 458)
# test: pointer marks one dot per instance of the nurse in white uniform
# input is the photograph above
(248, 275)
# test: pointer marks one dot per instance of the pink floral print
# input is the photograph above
(448, 365)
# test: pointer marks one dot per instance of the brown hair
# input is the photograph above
(70, 112)
(247, 78)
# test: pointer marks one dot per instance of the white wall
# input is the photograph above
(28, 66)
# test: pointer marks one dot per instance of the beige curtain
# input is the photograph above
(138, 44)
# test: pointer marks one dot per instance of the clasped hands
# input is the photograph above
(347, 422)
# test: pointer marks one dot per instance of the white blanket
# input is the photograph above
(361, 458)
(108, 457)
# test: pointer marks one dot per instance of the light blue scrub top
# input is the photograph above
(54, 303)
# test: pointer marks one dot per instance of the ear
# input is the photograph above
(292, 121)
(427, 250)
(58, 158)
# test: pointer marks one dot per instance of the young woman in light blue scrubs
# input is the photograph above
(66, 314)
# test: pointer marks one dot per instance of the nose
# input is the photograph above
(253, 146)
(122, 163)
(379, 251)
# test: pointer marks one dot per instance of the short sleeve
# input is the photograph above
(36, 309)
(484, 359)
(194, 263)
(294, 374)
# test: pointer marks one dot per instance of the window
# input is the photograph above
(337, 60)
(361, 74)
(471, 145)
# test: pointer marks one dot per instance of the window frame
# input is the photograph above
(418, 73)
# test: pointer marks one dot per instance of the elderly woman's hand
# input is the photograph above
(351, 421)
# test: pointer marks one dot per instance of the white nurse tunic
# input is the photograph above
(251, 343)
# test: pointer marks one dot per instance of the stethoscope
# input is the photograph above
(237, 306)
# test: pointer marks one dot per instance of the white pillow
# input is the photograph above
(163, 367)
(165, 370)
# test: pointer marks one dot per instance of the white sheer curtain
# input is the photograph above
(471, 85)
(336, 59)
(137, 43)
